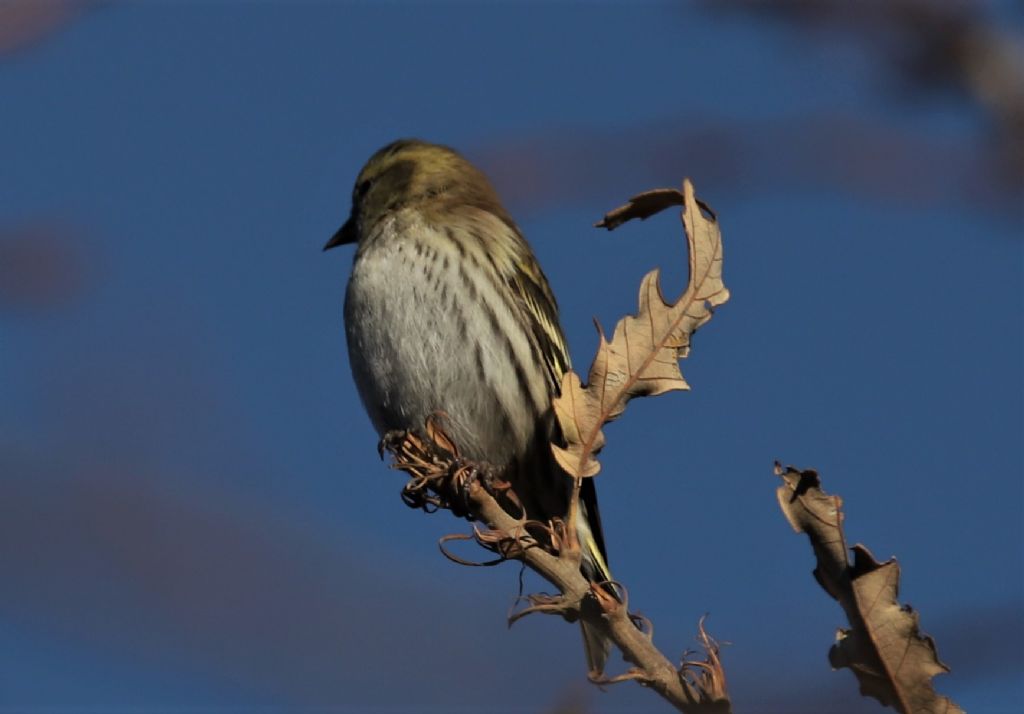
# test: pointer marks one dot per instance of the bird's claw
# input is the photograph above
(461, 486)
(391, 441)
(466, 475)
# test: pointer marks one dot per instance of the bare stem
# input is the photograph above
(442, 480)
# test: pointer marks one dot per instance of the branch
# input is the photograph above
(439, 478)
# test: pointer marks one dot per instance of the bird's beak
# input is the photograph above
(346, 234)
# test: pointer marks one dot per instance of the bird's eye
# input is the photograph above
(362, 188)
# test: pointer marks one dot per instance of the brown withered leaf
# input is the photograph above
(642, 206)
(642, 358)
(892, 660)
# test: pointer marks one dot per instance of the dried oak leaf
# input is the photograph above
(642, 358)
(892, 660)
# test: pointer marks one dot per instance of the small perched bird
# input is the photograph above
(447, 310)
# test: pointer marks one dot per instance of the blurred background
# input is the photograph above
(193, 516)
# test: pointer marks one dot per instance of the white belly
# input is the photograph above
(417, 347)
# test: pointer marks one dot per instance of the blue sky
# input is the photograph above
(194, 516)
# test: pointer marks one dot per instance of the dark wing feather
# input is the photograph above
(536, 297)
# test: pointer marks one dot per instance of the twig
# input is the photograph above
(439, 477)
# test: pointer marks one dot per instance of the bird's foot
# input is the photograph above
(469, 474)
(391, 441)
(464, 476)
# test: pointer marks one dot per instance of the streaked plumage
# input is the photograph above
(447, 309)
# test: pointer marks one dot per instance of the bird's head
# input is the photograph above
(413, 173)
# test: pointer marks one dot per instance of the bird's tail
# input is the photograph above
(533, 480)
(596, 646)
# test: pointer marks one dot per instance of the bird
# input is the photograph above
(447, 310)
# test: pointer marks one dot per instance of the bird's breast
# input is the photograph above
(431, 330)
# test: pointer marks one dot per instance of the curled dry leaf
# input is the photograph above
(642, 358)
(892, 660)
(707, 675)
